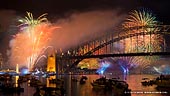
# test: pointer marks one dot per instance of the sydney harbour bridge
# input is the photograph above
(141, 41)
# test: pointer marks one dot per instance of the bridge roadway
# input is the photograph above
(118, 55)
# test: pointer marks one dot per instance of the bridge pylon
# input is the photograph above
(51, 63)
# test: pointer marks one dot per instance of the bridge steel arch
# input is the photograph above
(110, 38)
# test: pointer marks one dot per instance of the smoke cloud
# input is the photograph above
(82, 27)
(6, 20)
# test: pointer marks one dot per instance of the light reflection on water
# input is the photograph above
(75, 89)
(134, 82)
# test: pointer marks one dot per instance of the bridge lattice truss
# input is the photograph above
(141, 39)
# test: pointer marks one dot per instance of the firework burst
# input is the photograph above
(27, 45)
(139, 19)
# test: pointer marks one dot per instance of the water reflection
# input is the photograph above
(48, 84)
(74, 88)
(134, 82)
(16, 81)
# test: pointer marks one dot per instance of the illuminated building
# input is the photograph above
(51, 66)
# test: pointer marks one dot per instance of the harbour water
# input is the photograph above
(76, 89)
(134, 82)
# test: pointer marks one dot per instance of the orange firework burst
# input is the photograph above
(28, 44)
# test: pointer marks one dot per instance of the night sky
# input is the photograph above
(64, 8)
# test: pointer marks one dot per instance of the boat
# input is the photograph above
(83, 80)
(110, 84)
(147, 82)
(96, 85)
(84, 77)
(163, 83)
(99, 83)
(117, 86)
